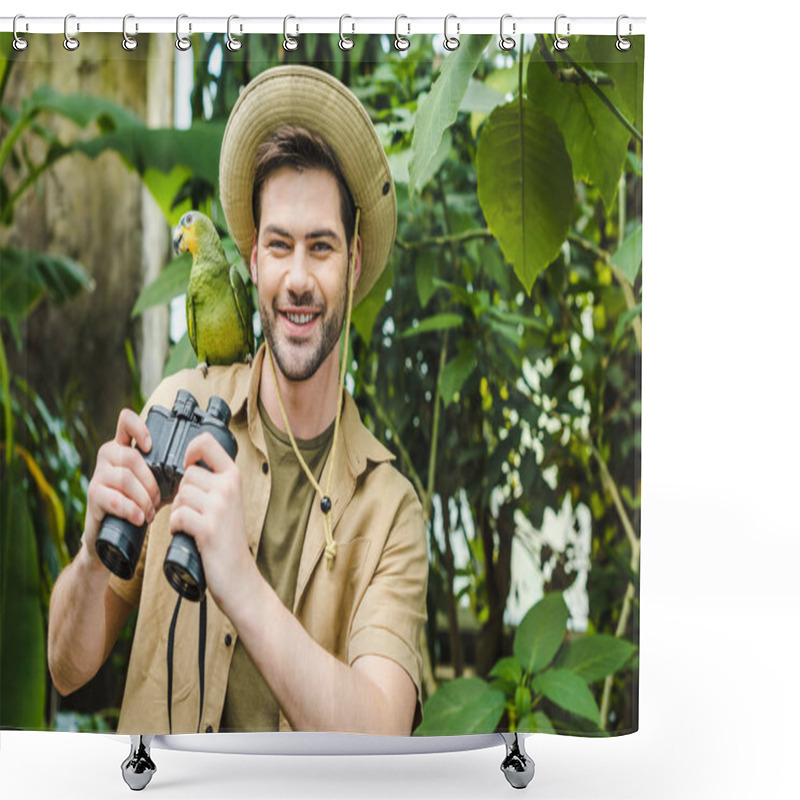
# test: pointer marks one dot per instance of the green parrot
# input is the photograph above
(219, 310)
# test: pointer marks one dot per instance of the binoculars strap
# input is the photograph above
(201, 657)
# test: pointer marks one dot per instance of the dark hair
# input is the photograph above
(293, 146)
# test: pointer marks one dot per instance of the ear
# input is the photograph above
(357, 265)
(254, 259)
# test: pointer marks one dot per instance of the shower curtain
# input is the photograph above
(498, 357)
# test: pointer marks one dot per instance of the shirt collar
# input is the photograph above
(357, 447)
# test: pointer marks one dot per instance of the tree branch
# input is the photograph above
(444, 241)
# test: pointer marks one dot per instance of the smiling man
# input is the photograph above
(312, 543)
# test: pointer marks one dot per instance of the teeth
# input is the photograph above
(300, 319)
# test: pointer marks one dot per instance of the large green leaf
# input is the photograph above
(171, 283)
(437, 322)
(541, 632)
(525, 186)
(367, 311)
(626, 71)
(569, 691)
(629, 255)
(439, 109)
(27, 275)
(196, 148)
(595, 657)
(22, 637)
(81, 109)
(181, 356)
(596, 140)
(462, 706)
(456, 371)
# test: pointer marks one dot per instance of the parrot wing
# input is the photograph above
(191, 321)
(244, 307)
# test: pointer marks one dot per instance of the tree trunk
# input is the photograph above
(497, 558)
(93, 211)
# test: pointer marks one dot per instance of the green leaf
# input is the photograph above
(368, 310)
(569, 691)
(438, 322)
(596, 140)
(625, 320)
(425, 270)
(462, 706)
(438, 111)
(455, 373)
(541, 632)
(171, 283)
(27, 275)
(164, 149)
(629, 255)
(81, 109)
(625, 72)
(164, 187)
(22, 636)
(507, 669)
(182, 356)
(595, 657)
(538, 722)
(481, 98)
(525, 187)
(522, 700)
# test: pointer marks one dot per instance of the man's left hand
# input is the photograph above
(208, 507)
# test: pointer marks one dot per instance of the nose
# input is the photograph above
(299, 278)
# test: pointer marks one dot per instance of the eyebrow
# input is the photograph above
(322, 233)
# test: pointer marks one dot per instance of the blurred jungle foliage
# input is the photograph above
(499, 356)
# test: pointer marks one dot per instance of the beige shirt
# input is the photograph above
(371, 603)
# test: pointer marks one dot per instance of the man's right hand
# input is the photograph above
(122, 484)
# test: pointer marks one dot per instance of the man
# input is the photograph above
(312, 543)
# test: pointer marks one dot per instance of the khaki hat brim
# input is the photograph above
(310, 98)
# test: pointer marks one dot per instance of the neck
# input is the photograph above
(310, 405)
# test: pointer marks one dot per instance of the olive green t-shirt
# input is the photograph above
(249, 703)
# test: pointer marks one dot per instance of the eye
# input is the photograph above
(188, 219)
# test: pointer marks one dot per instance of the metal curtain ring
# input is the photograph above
(451, 42)
(231, 42)
(19, 43)
(506, 42)
(288, 42)
(622, 43)
(70, 42)
(345, 43)
(183, 43)
(128, 42)
(560, 43)
(401, 42)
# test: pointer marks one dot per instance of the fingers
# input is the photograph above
(130, 428)
(207, 449)
(122, 484)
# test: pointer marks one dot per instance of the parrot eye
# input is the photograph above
(188, 219)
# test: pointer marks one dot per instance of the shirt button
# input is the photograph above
(264, 467)
(209, 729)
(228, 640)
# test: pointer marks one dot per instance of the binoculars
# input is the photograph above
(119, 542)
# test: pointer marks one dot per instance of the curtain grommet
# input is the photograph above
(71, 43)
(451, 42)
(560, 43)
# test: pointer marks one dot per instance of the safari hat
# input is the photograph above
(312, 99)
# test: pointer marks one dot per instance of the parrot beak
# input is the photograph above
(179, 241)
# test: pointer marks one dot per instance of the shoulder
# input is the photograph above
(229, 383)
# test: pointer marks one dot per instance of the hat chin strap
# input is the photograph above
(324, 496)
